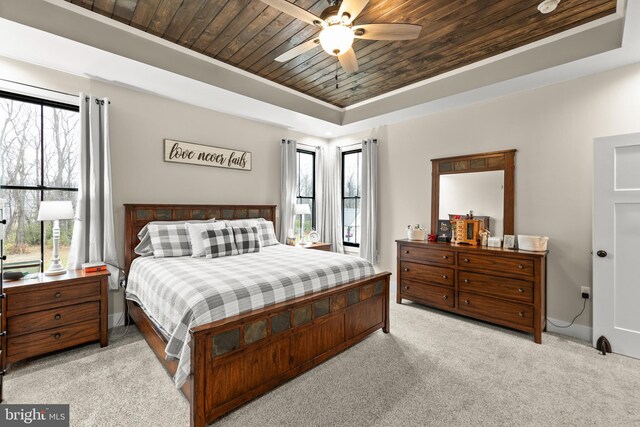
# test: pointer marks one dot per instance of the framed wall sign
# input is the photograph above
(206, 155)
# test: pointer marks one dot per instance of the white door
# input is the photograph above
(616, 240)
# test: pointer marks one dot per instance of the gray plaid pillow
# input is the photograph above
(169, 240)
(219, 243)
(267, 233)
(247, 239)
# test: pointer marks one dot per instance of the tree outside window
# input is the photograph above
(306, 188)
(40, 146)
(351, 193)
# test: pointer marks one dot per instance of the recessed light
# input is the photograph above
(548, 6)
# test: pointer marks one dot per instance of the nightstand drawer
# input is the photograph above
(37, 343)
(53, 295)
(55, 317)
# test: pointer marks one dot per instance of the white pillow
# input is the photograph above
(242, 223)
(195, 231)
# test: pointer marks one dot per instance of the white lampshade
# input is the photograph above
(336, 39)
(52, 210)
(301, 209)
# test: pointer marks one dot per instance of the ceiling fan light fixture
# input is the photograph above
(336, 39)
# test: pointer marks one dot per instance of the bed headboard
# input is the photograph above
(138, 215)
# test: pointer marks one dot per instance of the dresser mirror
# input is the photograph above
(482, 183)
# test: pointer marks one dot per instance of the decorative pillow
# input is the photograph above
(219, 243)
(242, 222)
(195, 231)
(144, 247)
(247, 239)
(169, 240)
(267, 233)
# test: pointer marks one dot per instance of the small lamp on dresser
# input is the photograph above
(302, 210)
(55, 211)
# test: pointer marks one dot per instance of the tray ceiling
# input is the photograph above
(249, 35)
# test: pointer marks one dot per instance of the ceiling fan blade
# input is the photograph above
(353, 8)
(349, 61)
(298, 50)
(295, 11)
(387, 31)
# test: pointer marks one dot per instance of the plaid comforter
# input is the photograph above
(181, 293)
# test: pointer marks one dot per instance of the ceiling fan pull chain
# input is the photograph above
(336, 74)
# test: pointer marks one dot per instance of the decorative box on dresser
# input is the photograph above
(501, 286)
(52, 313)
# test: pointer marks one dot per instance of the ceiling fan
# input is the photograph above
(337, 31)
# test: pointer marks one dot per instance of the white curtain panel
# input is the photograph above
(329, 218)
(93, 232)
(369, 201)
(288, 161)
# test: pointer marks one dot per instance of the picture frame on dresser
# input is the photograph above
(503, 286)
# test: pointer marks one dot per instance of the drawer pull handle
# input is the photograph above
(466, 260)
(466, 280)
(406, 287)
(444, 297)
(56, 336)
(58, 295)
(520, 290)
(520, 266)
(406, 252)
(445, 257)
(406, 269)
(444, 276)
(521, 314)
(466, 301)
(57, 317)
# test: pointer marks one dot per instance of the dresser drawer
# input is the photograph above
(42, 342)
(504, 312)
(502, 287)
(437, 256)
(435, 295)
(522, 267)
(426, 273)
(52, 318)
(53, 295)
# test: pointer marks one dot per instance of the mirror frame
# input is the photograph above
(493, 161)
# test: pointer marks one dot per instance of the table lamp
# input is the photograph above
(55, 211)
(301, 209)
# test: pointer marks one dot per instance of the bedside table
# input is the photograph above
(51, 313)
(320, 246)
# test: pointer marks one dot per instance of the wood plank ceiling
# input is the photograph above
(249, 35)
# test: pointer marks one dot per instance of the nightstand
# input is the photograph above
(50, 313)
(320, 246)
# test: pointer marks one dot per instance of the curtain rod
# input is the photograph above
(47, 89)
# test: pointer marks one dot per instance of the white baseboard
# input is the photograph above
(116, 318)
(577, 331)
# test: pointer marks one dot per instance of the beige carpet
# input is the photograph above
(433, 369)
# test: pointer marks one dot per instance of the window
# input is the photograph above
(39, 151)
(306, 188)
(351, 187)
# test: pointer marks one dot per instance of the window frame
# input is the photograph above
(345, 153)
(40, 187)
(313, 198)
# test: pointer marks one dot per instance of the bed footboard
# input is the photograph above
(240, 358)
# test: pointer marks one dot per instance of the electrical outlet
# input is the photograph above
(585, 290)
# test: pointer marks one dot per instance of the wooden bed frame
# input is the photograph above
(237, 359)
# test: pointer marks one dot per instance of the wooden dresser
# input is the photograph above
(51, 313)
(501, 286)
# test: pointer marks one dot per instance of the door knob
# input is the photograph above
(601, 253)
